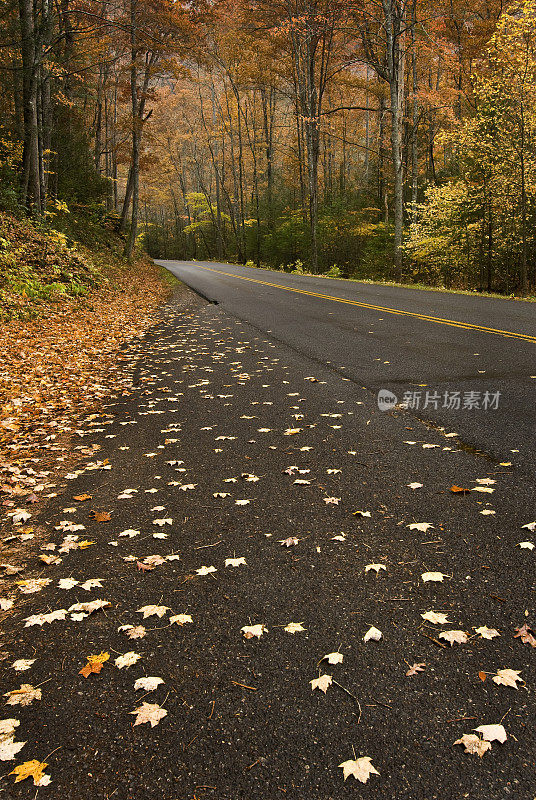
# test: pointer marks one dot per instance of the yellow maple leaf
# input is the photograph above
(30, 769)
(94, 664)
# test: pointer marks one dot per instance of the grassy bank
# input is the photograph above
(66, 308)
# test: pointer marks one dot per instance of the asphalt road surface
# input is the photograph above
(408, 341)
(239, 510)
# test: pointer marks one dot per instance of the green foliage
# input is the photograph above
(444, 236)
(334, 272)
(77, 179)
(10, 161)
(297, 267)
(39, 264)
(477, 230)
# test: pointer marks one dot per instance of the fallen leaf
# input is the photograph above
(373, 634)
(294, 627)
(436, 617)
(127, 660)
(433, 576)
(23, 664)
(67, 583)
(525, 634)
(94, 664)
(91, 606)
(454, 637)
(9, 748)
(415, 669)
(250, 631)
(473, 744)
(333, 658)
(32, 769)
(323, 683)
(100, 516)
(8, 726)
(41, 619)
(91, 583)
(23, 696)
(33, 585)
(206, 570)
(487, 633)
(133, 631)
(147, 684)
(180, 619)
(492, 733)
(507, 677)
(149, 611)
(235, 562)
(149, 712)
(360, 768)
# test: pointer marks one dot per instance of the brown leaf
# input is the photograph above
(82, 497)
(525, 633)
(100, 516)
(473, 744)
(482, 676)
(459, 490)
(415, 669)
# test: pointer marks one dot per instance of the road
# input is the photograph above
(227, 529)
(404, 340)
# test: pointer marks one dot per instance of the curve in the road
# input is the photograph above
(426, 317)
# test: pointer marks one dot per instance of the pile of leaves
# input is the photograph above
(59, 364)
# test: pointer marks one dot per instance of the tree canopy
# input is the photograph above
(390, 139)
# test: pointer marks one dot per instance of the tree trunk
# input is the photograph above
(415, 119)
(136, 129)
(31, 184)
(395, 69)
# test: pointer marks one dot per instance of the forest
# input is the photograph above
(380, 139)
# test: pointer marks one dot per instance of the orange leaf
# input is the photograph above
(94, 664)
(100, 516)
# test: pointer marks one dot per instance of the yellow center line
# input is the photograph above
(385, 309)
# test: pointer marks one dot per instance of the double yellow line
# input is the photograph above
(469, 326)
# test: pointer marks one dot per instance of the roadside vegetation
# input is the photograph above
(68, 302)
(391, 141)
